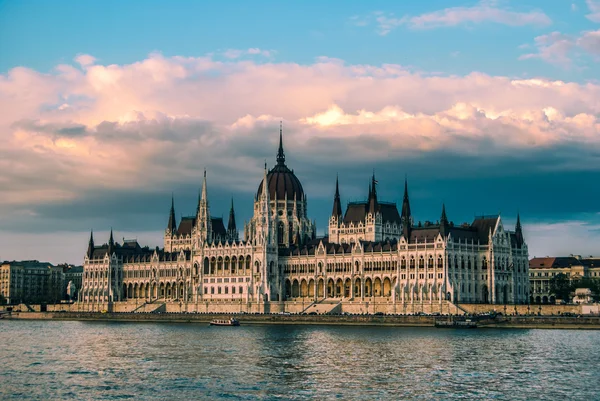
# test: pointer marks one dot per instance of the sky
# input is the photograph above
(110, 108)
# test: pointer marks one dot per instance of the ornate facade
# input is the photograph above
(373, 253)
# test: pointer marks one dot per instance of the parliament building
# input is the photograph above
(374, 258)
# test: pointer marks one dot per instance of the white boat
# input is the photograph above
(228, 322)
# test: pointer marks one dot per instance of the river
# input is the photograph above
(61, 360)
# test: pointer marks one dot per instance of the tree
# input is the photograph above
(2, 300)
(592, 284)
(560, 286)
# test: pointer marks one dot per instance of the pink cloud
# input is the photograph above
(594, 7)
(484, 11)
(553, 48)
(141, 124)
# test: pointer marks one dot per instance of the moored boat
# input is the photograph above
(222, 322)
(456, 324)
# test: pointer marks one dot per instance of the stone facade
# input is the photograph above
(373, 254)
(542, 270)
(31, 281)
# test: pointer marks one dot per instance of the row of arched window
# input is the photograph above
(430, 264)
(223, 290)
(220, 265)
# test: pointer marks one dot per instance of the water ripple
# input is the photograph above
(98, 360)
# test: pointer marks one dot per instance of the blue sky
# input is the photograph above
(42, 34)
(109, 107)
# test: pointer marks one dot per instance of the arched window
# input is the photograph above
(403, 263)
(241, 290)
(412, 262)
(421, 263)
(280, 233)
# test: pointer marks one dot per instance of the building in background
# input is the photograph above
(574, 267)
(31, 282)
(373, 253)
(73, 277)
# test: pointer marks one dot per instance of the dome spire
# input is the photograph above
(280, 154)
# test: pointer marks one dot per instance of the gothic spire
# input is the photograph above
(172, 220)
(280, 154)
(90, 251)
(444, 218)
(519, 232)
(406, 215)
(204, 197)
(444, 222)
(373, 206)
(111, 243)
(231, 228)
(337, 204)
(406, 202)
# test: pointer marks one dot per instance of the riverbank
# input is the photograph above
(509, 322)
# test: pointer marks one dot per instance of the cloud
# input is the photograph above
(253, 51)
(577, 236)
(553, 48)
(85, 60)
(107, 144)
(558, 48)
(594, 7)
(590, 42)
(482, 12)
(485, 11)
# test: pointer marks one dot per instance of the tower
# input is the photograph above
(406, 217)
(444, 224)
(203, 221)
(336, 215)
(90, 250)
(171, 230)
(232, 232)
(519, 232)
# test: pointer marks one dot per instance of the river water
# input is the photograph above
(53, 360)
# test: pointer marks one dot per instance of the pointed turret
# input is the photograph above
(444, 225)
(203, 196)
(519, 232)
(265, 199)
(373, 205)
(406, 215)
(280, 154)
(231, 228)
(337, 204)
(172, 226)
(111, 243)
(90, 250)
(203, 221)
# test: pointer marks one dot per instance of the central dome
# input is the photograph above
(281, 180)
